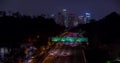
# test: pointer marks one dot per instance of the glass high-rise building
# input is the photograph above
(71, 20)
(87, 17)
(60, 19)
(81, 20)
(65, 18)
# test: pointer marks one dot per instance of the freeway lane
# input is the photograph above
(50, 58)
(65, 54)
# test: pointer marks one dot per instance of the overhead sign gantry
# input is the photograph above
(69, 39)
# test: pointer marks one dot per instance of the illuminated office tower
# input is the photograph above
(52, 16)
(60, 19)
(65, 18)
(87, 18)
(81, 20)
(71, 20)
(75, 23)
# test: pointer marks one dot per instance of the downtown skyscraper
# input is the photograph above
(70, 20)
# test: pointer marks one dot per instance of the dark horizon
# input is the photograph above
(98, 9)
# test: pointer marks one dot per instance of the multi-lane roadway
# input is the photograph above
(65, 54)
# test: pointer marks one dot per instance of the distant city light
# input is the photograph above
(87, 14)
(52, 15)
(64, 10)
(80, 17)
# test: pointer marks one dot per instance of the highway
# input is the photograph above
(65, 54)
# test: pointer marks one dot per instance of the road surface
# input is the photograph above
(65, 54)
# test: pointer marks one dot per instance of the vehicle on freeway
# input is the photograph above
(65, 54)
(71, 44)
(53, 53)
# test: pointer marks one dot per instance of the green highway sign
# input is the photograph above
(68, 39)
(56, 39)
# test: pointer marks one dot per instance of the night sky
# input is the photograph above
(97, 8)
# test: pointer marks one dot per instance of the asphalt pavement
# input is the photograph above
(65, 54)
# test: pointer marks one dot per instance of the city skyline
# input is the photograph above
(98, 9)
(69, 19)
